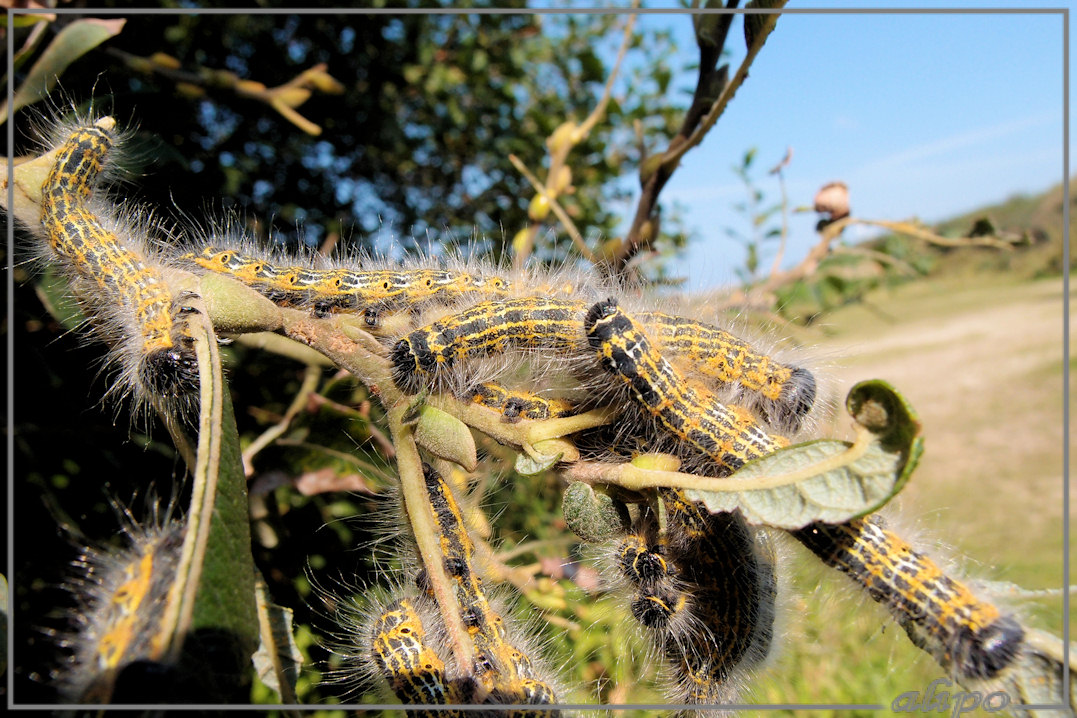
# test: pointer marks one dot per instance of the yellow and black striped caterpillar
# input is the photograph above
(728, 436)
(124, 292)
(968, 637)
(349, 290)
(505, 672)
(705, 592)
(557, 325)
(516, 405)
(117, 641)
(783, 394)
(542, 318)
(402, 655)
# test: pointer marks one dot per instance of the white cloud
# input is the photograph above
(954, 142)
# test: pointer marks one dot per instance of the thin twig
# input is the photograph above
(657, 178)
(562, 216)
(310, 382)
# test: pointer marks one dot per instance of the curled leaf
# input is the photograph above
(829, 481)
(543, 455)
(278, 658)
(445, 436)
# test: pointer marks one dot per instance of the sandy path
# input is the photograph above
(983, 367)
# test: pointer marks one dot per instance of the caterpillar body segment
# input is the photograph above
(967, 636)
(403, 657)
(516, 405)
(126, 294)
(506, 673)
(783, 394)
(348, 290)
(122, 595)
(728, 436)
(730, 574)
(425, 356)
(705, 593)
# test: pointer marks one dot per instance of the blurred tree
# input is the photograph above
(417, 142)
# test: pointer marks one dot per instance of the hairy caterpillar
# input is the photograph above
(705, 591)
(403, 657)
(557, 324)
(729, 572)
(967, 636)
(115, 278)
(328, 290)
(728, 436)
(516, 405)
(487, 328)
(121, 592)
(783, 394)
(506, 673)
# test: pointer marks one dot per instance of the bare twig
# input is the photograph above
(558, 176)
(562, 216)
(655, 173)
(309, 385)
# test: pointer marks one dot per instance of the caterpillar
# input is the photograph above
(487, 328)
(783, 394)
(402, 656)
(705, 593)
(968, 637)
(516, 405)
(558, 324)
(505, 672)
(329, 290)
(130, 295)
(729, 436)
(116, 641)
(729, 572)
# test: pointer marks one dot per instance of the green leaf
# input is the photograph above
(543, 455)
(74, 41)
(55, 294)
(830, 481)
(216, 619)
(278, 658)
(592, 515)
(445, 436)
(757, 26)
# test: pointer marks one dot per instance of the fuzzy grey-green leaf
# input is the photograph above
(842, 489)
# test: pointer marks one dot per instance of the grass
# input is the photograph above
(981, 359)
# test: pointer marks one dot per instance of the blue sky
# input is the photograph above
(922, 115)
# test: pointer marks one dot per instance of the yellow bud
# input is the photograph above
(610, 247)
(649, 167)
(561, 180)
(646, 231)
(164, 60)
(539, 208)
(520, 240)
(561, 139)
